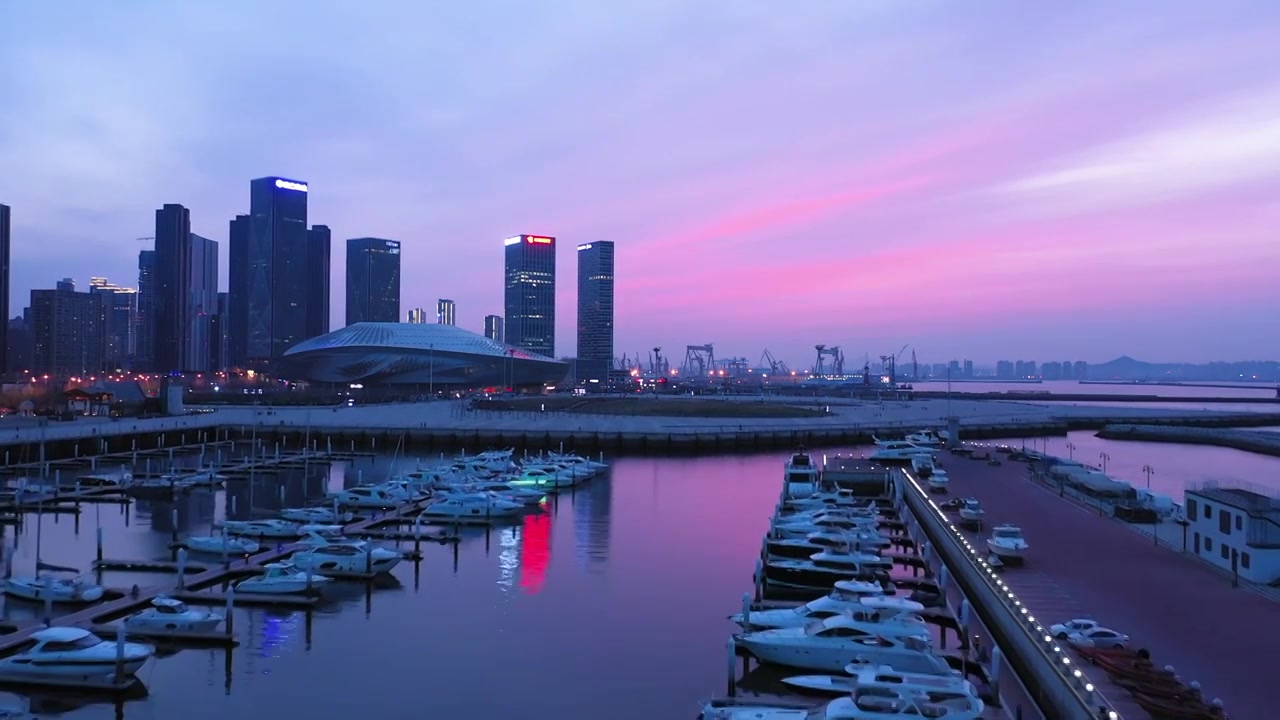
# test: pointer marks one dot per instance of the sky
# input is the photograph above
(982, 180)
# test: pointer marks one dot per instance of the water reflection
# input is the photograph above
(535, 551)
(592, 506)
(508, 557)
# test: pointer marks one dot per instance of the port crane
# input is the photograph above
(776, 367)
(820, 367)
(699, 360)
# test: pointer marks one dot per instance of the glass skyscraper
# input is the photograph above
(277, 260)
(493, 328)
(318, 254)
(172, 306)
(144, 357)
(446, 312)
(238, 272)
(595, 311)
(530, 293)
(201, 344)
(4, 288)
(373, 280)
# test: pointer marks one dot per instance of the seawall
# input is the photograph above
(1250, 441)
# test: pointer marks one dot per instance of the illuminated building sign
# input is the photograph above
(512, 241)
(585, 247)
(291, 185)
(536, 240)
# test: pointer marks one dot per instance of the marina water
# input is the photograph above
(611, 603)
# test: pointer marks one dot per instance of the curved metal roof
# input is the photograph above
(412, 336)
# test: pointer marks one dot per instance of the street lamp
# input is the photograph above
(431, 371)
(1071, 451)
(1149, 472)
(1104, 457)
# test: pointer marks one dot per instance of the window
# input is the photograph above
(1226, 551)
(1208, 512)
(1208, 543)
(1224, 522)
(1197, 543)
(1191, 508)
(1244, 560)
(1240, 522)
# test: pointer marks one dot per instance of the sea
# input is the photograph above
(610, 602)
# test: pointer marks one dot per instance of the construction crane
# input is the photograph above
(837, 360)
(699, 360)
(776, 367)
(145, 239)
(915, 367)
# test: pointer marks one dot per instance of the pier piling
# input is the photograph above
(733, 667)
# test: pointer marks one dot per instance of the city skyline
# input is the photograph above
(962, 207)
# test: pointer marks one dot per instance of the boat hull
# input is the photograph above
(216, 546)
(280, 587)
(205, 624)
(807, 575)
(37, 593)
(822, 659)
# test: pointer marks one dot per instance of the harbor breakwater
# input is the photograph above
(446, 425)
(1251, 441)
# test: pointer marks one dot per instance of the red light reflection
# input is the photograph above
(535, 552)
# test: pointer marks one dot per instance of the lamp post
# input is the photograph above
(1149, 471)
(431, 371)
(1071, 451)
(1104, 457)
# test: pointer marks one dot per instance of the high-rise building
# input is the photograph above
(446, 312)
(318, 255)
(530, 293)
(595, 311)
(201, 344)
(493, 328)
(968, 368)
(220, 352)
(1081, 370)
(1004, 370)
(417, 316)
(373, 280)
(172, 306)
(238, 271)
(4, 289)
(144, 357)
(68, 331)
(18, 352)
(277, 283)
(121, 322)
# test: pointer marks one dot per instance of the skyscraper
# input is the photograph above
(493, 328)
(318, 254)
(201, 345)
(4, 289)
(530, 293)
(172, 305)
(144, 357)
(219, 353)
(446, 312)
(238, 271)
(417, 316)
(277, 283)
(373, 280)
(121, 321)
(595, 311)
(68, 331)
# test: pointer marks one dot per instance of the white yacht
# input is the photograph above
(63, 590)
(922, 465)
(801, 470)
(803, 524)
(526, 495)
(218, 544)
(69, 652)
(927, 438)
(279, 529)
(323, 515)
(167, 614)
(864, 607)
(368, 496)
(938, 481)
(571, 459)
(471, 506)
(492, 460)
(830, 645)
(803, 547)
(281, 579)
(1006, 542)
(828, 499)
(971, 511)
(872, 675)
(875, 702)
(898, 451)
(344, 560)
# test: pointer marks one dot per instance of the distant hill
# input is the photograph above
(1127, 368)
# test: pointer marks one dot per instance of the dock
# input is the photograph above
(218, 599)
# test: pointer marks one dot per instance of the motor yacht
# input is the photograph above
(927, 438)
(873, 702)
(898, 451)
(344, 560)
(470, 507)
(839, 498)
(865, 607)
(70, 652)
(369, 496)
(527, 496)
(167, 614)
(801, 525)
(922, 465)
(119, 478)
(1006, 542)
(62, 590)
(865, 540)
(971, 511)
(825, 568)
(938, 481)
(323, 515)
(831, 644)
(219, 544)
(280, 529)
(549, 480)
(492, 460)
(281, 579)
(860, 675)
(407, 490)
(801, 469)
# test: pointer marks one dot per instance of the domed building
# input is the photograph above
(374, 353)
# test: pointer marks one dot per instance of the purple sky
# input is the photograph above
(985, 180)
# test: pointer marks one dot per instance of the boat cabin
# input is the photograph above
(64, 639)
(1236, 529)
(168, 606)
(1006, 532)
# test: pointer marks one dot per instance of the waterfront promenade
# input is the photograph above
(840, 420)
